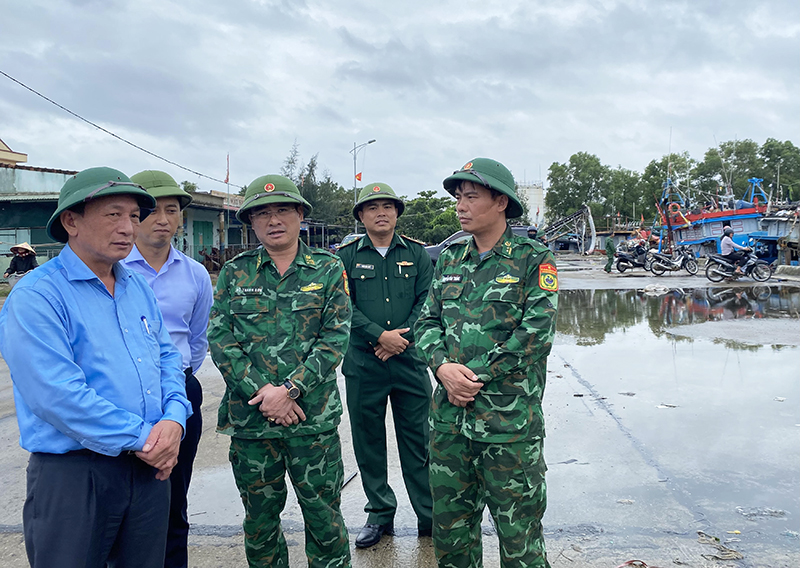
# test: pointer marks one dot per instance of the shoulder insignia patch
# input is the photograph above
(350, 243)
(346, 283)
(506, 278)
(313, 287)
(548, 277)
(413, 240)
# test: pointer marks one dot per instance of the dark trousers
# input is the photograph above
(737, 258)
(371, 383)
(178, 533)
(87, 510)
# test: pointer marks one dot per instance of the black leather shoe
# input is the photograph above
(424, 532)
(371, 534)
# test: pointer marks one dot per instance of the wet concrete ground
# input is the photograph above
(668, 412)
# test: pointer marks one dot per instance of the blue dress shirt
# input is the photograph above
(90, 370)
(183, 290)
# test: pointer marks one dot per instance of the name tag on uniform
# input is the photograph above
(313, 287)
(451, 278)
(365, 266)
(249, 290)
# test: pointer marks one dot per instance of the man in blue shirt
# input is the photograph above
(183, 289)
(98, 387)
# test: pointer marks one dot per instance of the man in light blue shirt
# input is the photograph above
(98, 387)
(183, 289)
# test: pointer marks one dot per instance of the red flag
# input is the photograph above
(358, 176)
(642, 219)
(228, 169)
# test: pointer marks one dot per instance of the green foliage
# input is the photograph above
(783, 158)
(582, 180)
(427, 217)
(189, 187)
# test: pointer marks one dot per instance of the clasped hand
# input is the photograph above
(161, 447)
(391, 342)
(460, 381)
(276, 406)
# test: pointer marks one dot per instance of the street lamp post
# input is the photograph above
(354, 151)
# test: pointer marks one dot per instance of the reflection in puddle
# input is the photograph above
(716, 420)
(590, 315)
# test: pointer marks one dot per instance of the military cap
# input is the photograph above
(488, 173)
(161, 184)
(270, 189)
(92, 184)
(374, 191)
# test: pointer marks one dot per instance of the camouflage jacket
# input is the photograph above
(266, 328)
(497, 316)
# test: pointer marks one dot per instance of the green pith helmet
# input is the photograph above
(488, 173)
(91, 184)
(161, 184)
(270, 189)
(377, 191)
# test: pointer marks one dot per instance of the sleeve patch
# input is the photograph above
(346, 283)
(548, 277)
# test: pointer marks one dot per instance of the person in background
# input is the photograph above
(611, 250)
(183, 289)
(730, 250)
(98, 387)
(23, 261)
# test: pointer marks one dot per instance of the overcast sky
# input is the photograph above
(435, 83)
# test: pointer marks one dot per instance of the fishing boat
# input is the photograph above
(699, 226)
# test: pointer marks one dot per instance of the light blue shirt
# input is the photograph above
(183, 290)
(90, 370)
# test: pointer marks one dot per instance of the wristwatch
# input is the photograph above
(291, 389)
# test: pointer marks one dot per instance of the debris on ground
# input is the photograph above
(723, 552)
(626, 501)
(760, 512)
(628, 393)
(663, 405)
(636, 564)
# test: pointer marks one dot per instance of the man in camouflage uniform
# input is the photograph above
(280, 324)
(389, 278)
(485, 330)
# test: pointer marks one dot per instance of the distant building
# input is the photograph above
(29, 196)
(533, 195)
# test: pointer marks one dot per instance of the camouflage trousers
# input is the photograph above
(465, 477)
(314, 464)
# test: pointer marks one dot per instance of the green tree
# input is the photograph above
(423, 214)
(189, 187)
(582, 180)
(784, 158)
(731, 163)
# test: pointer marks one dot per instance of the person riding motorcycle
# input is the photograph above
(729, 250)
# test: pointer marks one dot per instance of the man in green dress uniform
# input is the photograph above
(389, 277)
(486, 330)
(280, 324)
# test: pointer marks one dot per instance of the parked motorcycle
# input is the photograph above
(682, 258)
(639, 257)
(719, 268)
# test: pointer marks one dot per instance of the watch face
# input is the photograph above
(294, 392)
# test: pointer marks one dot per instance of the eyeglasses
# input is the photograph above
(280, 213)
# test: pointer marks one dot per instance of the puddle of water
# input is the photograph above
(719, 419)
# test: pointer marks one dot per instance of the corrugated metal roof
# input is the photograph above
(35, 169)
(28, 197)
